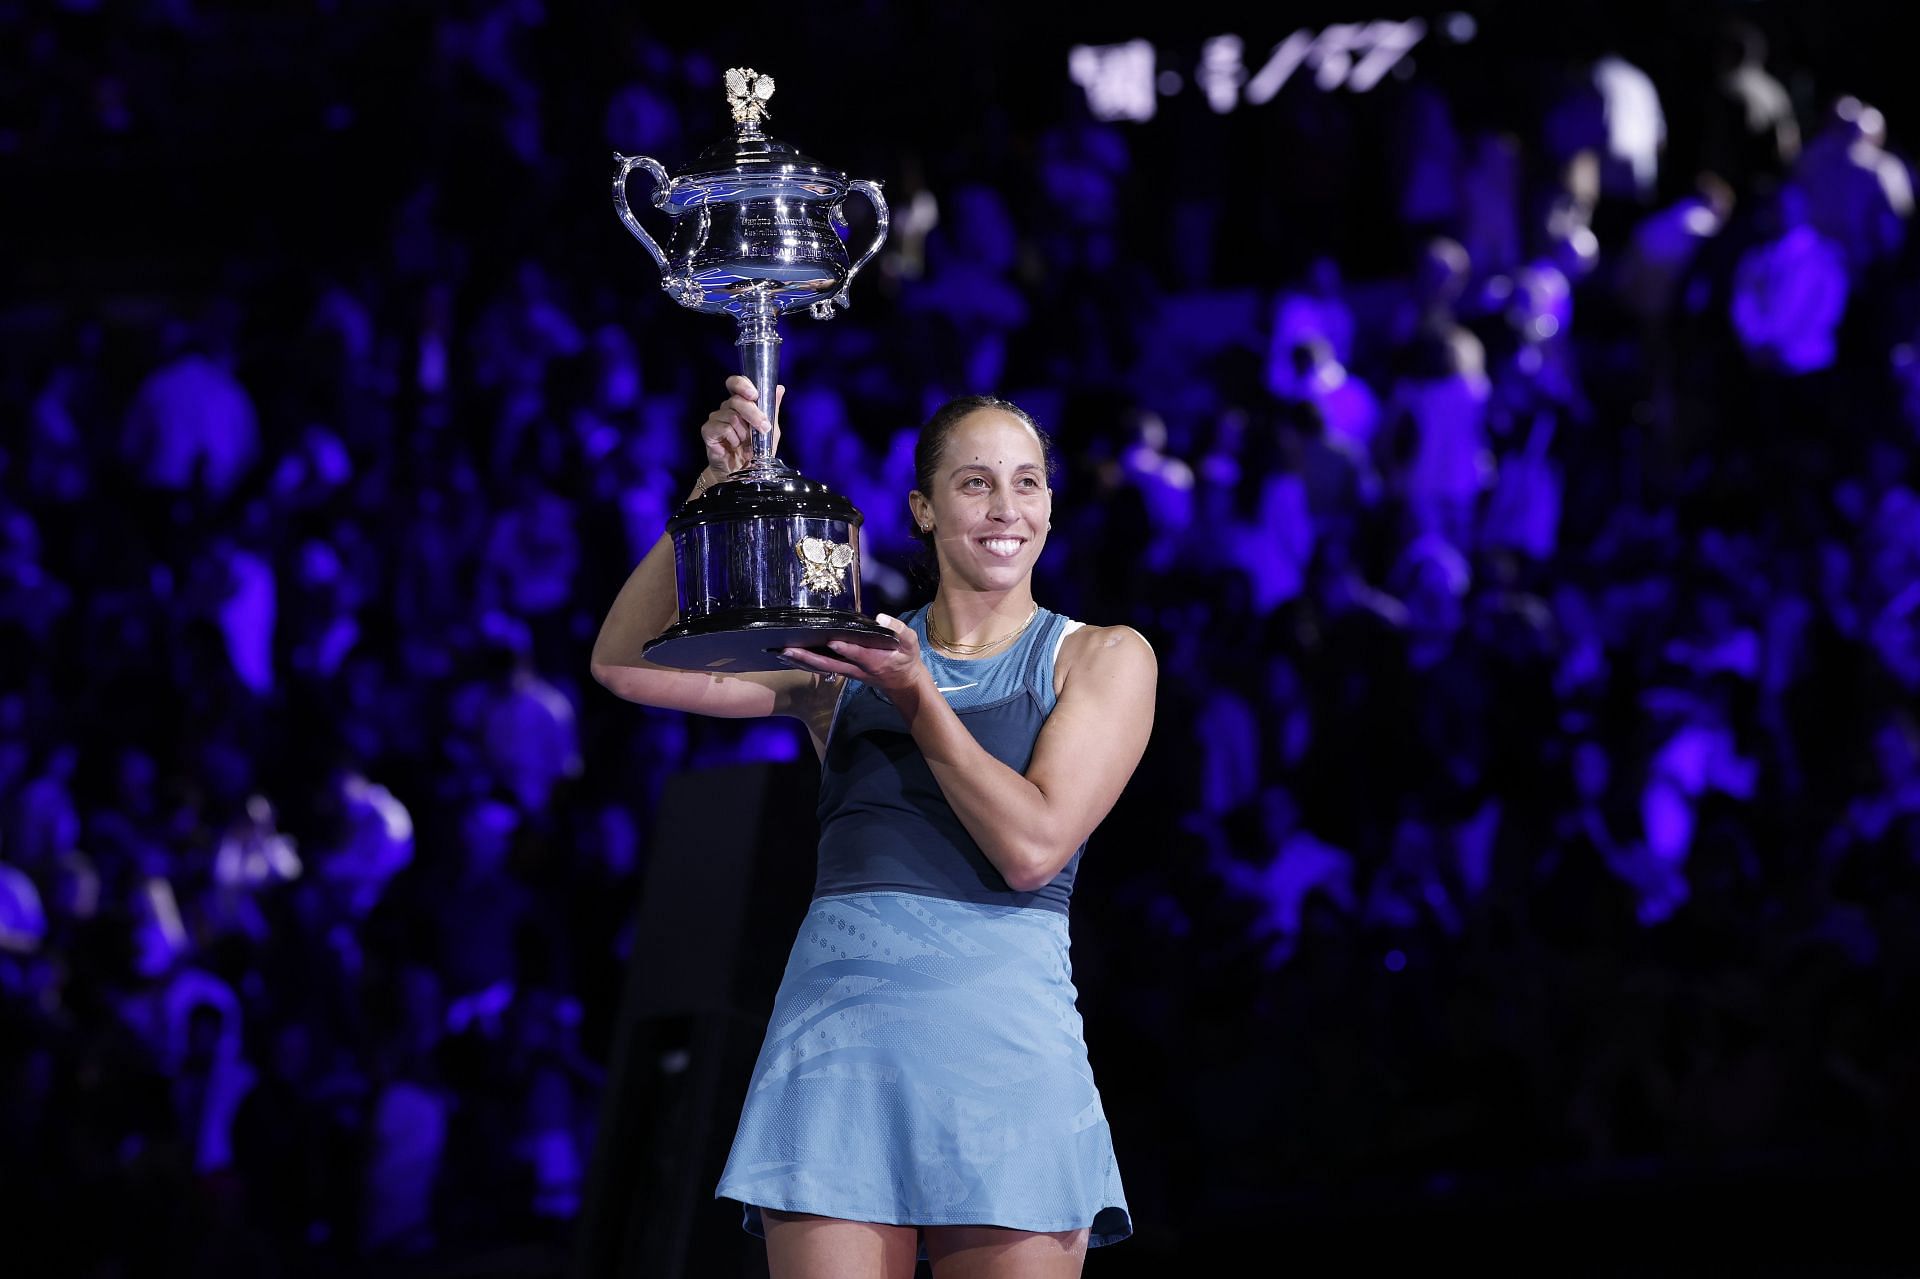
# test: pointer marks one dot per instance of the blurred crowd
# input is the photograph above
(1536, 781)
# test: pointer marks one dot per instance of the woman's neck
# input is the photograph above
(968, 619)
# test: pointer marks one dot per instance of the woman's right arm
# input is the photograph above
(649, 603)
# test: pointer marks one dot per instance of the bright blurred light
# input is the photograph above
(1286, 59)
(1333, 54)
(1221, 72)
(1118, 78)
(1459, 27)
(1357, 55)
(1636, 125)
(1120, 81)
(1384, 45)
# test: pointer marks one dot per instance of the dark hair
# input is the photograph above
(933, 442)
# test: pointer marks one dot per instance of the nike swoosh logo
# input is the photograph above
(956, 688)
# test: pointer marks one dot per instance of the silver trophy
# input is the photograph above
(766, 559)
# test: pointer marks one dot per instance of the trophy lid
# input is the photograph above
(750, 164)
(746, 496)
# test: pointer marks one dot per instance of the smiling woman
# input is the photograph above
(998, 449)
(924, 1087)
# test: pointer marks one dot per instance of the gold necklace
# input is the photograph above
(967, 650)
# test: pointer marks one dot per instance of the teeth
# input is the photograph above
(1002, 545)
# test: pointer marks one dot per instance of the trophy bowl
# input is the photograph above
(766, 559)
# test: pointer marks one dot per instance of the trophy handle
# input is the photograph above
(628, 163)
(824, 310)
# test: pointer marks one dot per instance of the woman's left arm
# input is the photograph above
(1027, 825)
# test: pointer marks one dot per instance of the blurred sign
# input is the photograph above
(1126, 81)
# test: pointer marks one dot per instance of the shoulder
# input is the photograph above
(1104, 654)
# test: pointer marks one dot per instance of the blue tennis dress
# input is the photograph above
(924, 1065)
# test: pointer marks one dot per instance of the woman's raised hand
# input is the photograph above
(727, 432)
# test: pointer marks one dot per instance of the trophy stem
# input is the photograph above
(759, 344)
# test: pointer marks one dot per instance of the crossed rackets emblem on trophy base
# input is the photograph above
(825, 563)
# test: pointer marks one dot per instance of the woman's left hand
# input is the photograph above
(890, 669)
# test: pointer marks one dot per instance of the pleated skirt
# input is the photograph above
(925, 1066)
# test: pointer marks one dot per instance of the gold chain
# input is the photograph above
(967, 650)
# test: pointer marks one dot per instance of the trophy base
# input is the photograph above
(742, 640)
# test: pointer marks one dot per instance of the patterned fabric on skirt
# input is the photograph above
(924, 1066)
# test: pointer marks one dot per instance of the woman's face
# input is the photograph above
(990, 505)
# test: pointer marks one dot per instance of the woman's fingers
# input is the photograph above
(908, 641)
(724, 437)
(748, 412)
(728, 431)
(808, 659)
(749, 401)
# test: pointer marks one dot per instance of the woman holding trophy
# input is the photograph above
(923, 1088)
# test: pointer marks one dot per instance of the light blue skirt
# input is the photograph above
(925, 1067)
